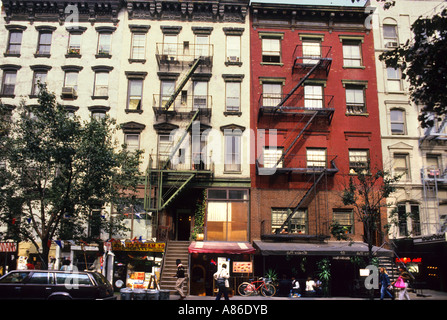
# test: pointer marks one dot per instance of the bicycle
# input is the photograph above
(251, 288)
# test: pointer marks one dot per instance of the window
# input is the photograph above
(15, 277)
(271, 94)
(170, 44)
(73, 278)
(313, 97)
(394, 82)
(44, 45)
(165, 144)
(132, 141)
(227, 215)
(74, 43)
(352, 56)
(271, 50)
(200, 95)
(390, 35)
(232, 96)
(15, 42)
(355, 100)
(232, 162)
(233, 54)
(271, 157)
(135, 92)
(202, 46)
(316, 158)
(39, 77)
(104, 43)
(397, 117)
(71, 80)
(358, 161)
(41, 278)
(138, 46)
(297, 223)
(344, 218)
(401, 166)
(406, 211)
(167, 90)
(9, 83)
(101, 88)
(311, 50)
(434, 168)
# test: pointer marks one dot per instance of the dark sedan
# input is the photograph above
(52, 284)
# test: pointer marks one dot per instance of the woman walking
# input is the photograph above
(221, 278)
(384, 280)
(402, 284)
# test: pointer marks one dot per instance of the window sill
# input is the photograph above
(143, 61)
(233, 113)
(354, 67)
(7, 95)
(134, 111)
(103, 56)
(229, 63)
(42, 55)
(100, 97)
(272, 64)
(17, 55)
(232, 172)
(73, 55)
(357, 114)
(69, 98)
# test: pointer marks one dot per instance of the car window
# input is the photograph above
(15, 277)
(99, 278)
(41, 278)
(73, 279)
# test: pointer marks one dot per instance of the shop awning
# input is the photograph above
(221, 247)
(330, 248)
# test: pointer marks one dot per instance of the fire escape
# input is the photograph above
(304, 112)
(169, 174)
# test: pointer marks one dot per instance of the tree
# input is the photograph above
(423, 64)
(58, 171)
(367, 193)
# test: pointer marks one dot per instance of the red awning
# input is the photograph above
(221, 247)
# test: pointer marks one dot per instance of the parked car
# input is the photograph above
(52, 285)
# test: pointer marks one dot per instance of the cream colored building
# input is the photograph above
(408, 150)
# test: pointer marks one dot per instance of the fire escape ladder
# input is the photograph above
(183, 83)
(306, 195)
(296, 138)
(299, 84)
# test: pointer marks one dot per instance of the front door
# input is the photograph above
(183, 224)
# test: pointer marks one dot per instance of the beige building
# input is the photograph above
(420, 203)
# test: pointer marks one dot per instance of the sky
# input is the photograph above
(316, 2)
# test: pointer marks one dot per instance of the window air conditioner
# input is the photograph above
(68, 92)
(391, 44)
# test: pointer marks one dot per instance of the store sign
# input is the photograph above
(438, 237)
(242, 267)
(408, 260)
(139, 246)
(8, 247)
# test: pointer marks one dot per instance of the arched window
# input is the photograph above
(390, 35)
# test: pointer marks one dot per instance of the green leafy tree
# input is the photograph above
(56, 170)
(423, 64)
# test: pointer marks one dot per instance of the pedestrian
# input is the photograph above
(385, 282)
(402, 284)
(180, 279)
(310, 286)
(29, 265)
(318, 287)
(221, 278)
(295, 292)
(66, 265)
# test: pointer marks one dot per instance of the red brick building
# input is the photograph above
(314, 109)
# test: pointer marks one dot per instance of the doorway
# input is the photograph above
(183, 224)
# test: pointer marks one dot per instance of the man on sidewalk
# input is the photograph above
(180, 279)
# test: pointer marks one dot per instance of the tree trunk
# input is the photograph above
(44, 255)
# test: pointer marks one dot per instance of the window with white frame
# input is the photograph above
(390, 34)
(297, 224)
(313, 96)
(132, 141)
(165, 144)
(355, 99)
(232, 161)
(14, 42)
(271, 157)
(271, 94)
(311, 51)
(44, 45)
(358, 161)
(135, 92)
(9, 82)
(401, 165)
(71, 80)
(101, 84)
(200, 95)
(104, 43)
(345, 218)
(138, 48)
(170, 45)
(271, 50)
(202, 45)
(352, 54)
(39, 77)
(316, 157)
(232, 96)
(394, 79)
(233, 53)
(397, 119)
(167, 90)
(74, 43)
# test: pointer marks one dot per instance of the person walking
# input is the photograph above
(180, 279)
(221, 278)
(384, 281)
(403, 278)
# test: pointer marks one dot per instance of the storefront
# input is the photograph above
(8, 257)
(303, 260)
(136, 264)
(208, 256)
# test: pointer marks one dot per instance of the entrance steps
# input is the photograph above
(174, 250)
